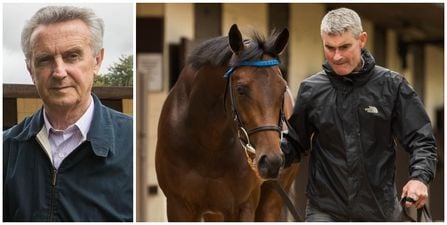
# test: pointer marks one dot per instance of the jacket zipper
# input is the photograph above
(53, 181)
(53, 194)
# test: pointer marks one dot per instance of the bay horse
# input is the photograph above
(219, 132)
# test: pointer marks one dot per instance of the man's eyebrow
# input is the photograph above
(343, 45)
(73, 50)
(42, 55)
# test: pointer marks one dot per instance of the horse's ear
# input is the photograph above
(281, 41)
(235, 38)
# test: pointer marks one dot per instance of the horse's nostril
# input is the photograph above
(269, 165)
(262, 160)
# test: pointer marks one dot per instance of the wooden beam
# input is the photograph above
(30, 91)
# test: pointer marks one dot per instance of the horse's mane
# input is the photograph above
(217, 51)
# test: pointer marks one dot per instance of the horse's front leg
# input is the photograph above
(245, 212)
(180, 211)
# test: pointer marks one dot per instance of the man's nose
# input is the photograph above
(337, 56)
(59, 70)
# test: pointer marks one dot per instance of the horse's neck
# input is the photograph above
(207, 108)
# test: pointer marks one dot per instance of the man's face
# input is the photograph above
(343, 52)
(62, 63)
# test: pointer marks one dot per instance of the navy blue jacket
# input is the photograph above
(93, 183)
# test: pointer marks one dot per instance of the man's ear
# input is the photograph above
(98, 60)
(363, 39)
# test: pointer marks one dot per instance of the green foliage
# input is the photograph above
(118, 74)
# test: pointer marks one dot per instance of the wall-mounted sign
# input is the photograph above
(149, 65)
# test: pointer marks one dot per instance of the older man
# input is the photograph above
(72, 159)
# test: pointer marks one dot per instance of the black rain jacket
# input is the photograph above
(350, 125)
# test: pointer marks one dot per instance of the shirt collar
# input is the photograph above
(83, 123)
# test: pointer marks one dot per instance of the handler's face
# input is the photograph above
(62, 63)
(343, 52)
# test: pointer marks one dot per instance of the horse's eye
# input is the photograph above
(241, 90)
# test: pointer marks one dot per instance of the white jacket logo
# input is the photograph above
(371, 109)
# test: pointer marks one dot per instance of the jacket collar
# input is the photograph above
(356, 78)
(32, 126)
(101, 129)
(99, 135)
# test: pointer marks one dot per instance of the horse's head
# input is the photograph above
(256, 90)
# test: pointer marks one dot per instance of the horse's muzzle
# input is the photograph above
(270, 164)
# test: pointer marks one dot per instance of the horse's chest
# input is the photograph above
(221, 192)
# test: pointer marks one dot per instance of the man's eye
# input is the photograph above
(43, 61)
(72, 57)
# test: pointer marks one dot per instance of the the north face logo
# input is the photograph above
(371, 109)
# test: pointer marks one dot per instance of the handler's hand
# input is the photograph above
(416, 190)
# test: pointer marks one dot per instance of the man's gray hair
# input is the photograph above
(56, 14)
(339, 21)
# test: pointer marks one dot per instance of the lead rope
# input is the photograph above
(289, 203)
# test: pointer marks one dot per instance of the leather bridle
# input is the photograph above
(242, 131)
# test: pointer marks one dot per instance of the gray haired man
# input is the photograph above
(348, 116)
(72, 159)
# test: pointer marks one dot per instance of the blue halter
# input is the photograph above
(267, 63)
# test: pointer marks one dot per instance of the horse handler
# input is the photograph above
(72, 159)
(349, 116)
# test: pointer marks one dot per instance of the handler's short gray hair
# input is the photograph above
(56, 14)
(339, 21)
